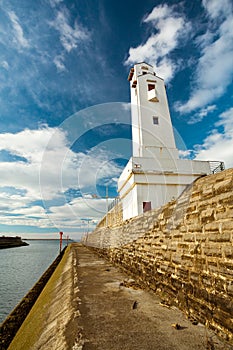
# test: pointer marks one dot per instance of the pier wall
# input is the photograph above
(45, 326)
(183, 251)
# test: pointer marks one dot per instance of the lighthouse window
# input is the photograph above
(151, 87)
(156, 120)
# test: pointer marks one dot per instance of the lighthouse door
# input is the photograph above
(146, 206)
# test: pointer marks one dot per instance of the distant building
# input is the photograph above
(154, 175)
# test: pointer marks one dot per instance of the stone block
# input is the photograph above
(200, 293)
(224, 319)
(225, 268)
(192, 217)
(220, 284)
(183, 229)
(201, 237)
(191, 208)
(223, 186)
(207, 191)
(211, 227)
(212, 265)
(222, 213)
(213, 250)
(227, 225)
(199, 309)
(226, 199)
(194, 277)
(229, 287)
(207, 215)
(187, 260)
(177, 235)
(219, 237)
(195, 196)
(189, 237)
(176, 283)
(207, 280)
(194, 228)
(199, 263)
(227, 251)
(172, 246)
(176, 259)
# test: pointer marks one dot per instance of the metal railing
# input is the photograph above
(216, 167)
(113, 203)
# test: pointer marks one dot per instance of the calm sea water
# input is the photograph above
(20, 269)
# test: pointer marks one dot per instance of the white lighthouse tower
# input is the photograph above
(155, 174)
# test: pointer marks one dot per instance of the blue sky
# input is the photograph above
(64, 112)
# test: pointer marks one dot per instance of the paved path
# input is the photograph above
(114, 316)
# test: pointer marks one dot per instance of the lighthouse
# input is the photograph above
(154, 174)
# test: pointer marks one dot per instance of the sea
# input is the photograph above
(21, 268)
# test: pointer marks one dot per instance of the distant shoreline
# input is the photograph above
(46, 239)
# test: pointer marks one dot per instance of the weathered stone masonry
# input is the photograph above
(184, 250)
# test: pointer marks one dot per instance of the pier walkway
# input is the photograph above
(91, 305)
(116, 316)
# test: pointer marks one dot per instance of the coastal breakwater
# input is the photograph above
(11, 242)
(182, 251)
(15, 319)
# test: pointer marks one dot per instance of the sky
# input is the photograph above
(65, 133)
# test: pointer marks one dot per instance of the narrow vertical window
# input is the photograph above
(152, 93)
(155, 120)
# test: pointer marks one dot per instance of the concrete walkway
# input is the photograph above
(114, 315)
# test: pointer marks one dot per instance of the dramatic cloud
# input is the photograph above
(218, 145)
(214, 69)
(170, 28)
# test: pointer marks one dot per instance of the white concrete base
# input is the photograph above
(156, 181)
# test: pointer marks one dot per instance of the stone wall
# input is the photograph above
(184, 251)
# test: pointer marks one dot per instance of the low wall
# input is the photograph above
(15, 319)
(184, 251)
(45, 325)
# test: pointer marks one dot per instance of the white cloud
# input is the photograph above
(76, 211)
(216, 8)
(18, 31)
(51, 169)
(54, 3)
(214, 69)
(197, 117)
(59, 63)
(185, 153)
(218, 145)
(95, 167)
(69, 36)
(170, 28)
(5, 65)
(31, 144)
